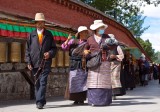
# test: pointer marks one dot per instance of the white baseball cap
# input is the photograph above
(82, 28)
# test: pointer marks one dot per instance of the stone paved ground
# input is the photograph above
(141, 99)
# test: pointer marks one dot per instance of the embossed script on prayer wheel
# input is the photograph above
(15, 52)
(60, 58)
(4, 52)
(54, 61)
(67, 59)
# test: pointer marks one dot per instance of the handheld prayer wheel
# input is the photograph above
(67, 59)
(15, 52)
(60, 58)
(4, 52)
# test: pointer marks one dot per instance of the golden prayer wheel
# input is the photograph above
(60, 58)
(23, 50)
(15, 52)
(67, 59)
(4, 52)
(54, 61)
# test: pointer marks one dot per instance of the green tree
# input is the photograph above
(147, 46)
(101, 5)
(124, 11)
(135, 25)
(155, 2)
(157, 55)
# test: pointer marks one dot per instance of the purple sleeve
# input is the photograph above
(66, 47)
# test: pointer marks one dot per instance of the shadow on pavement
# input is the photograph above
(61, 106)
(118, 102)
(136, 98)
(26, 102)
(130, 102)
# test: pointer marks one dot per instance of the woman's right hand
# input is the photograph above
(68, 39)
(69, 36)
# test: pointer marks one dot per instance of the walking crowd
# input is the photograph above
(100, 69)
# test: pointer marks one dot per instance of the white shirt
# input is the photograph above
(97, 38)
(40, 31)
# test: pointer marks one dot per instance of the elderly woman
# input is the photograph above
(99, 77)
(115, 56)
(76, 90)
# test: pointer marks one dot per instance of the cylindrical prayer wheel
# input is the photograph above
(4, 52)
(15, 52)
(54, 62)
(23, 49)
(67, 59)
(60, 58)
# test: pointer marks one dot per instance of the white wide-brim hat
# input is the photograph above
(39, 17)
(97, 24)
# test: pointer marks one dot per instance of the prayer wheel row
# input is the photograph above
(61, 59)
(12, 52)
(15, 52)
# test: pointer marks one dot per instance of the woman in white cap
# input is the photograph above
(99, 77)
(76, 89)
(115, 57)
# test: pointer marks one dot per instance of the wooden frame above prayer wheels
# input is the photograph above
(20, 29)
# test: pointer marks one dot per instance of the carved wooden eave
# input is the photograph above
(92, 13)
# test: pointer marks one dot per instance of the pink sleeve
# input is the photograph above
(66, 47)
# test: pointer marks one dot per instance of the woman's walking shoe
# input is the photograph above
(114, 97)
(75, 103)
(81, 102)
(93, 105)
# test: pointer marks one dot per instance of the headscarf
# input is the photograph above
(111, 41)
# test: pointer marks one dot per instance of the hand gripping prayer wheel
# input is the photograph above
(66, 58)
(4, 52)
(60, 58)
(15, 52)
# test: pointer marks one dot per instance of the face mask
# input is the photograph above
(101, 32)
